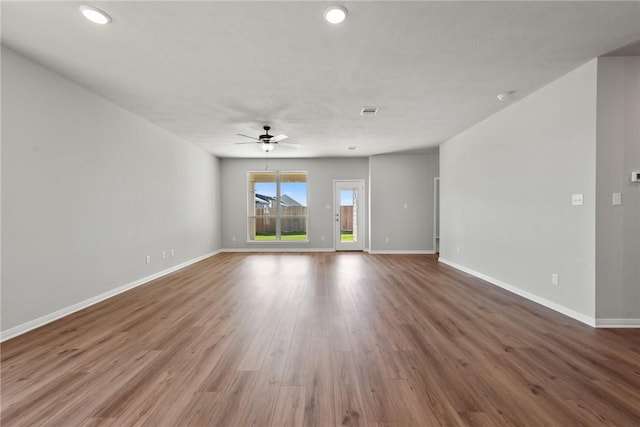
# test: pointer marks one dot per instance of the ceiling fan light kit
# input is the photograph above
(267, 147)
(268, 142)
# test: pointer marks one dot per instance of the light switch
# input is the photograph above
(616, 199)
(576, 199)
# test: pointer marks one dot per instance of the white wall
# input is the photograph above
(506, 186)
(88, 190)
(401, 202)
(618, 153)
(322, 172)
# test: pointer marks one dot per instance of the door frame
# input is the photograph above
(362, 204)
(436, 214)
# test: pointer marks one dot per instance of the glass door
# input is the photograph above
(349, 215)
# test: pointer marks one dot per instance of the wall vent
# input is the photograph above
(369, 111)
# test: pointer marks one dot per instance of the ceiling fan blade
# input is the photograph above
(247, 136)
(290, 144)
(278, 138)
(248, 142)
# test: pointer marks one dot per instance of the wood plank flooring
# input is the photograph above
(323, 339)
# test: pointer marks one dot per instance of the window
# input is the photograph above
(277, 206)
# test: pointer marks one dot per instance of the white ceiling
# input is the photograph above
(208, 70)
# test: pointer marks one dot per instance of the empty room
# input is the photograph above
(304, 213)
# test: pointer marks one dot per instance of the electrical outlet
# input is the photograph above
(233, 238)
(172, 252)
(148, 259)
(555, 280)
(164, 254)
(616, 199)
(457, 250)
(322, 238)
(386, 240)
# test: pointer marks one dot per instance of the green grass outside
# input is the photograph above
(293, 237)
(344, 237)
(272, 237)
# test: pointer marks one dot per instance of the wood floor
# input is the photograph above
(345, 339)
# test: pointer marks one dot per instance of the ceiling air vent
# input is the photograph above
(369, 111)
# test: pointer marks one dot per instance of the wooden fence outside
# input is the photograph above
(346, 218)
(294, 220)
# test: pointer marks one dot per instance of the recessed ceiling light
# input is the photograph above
(95, 15)
(335, 14)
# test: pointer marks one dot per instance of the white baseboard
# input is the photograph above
(41, 321)
(262, 250)
(401, 252)
(617, 323)
(278, 250)
(549, 304)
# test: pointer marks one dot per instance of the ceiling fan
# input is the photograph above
(268, 142)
